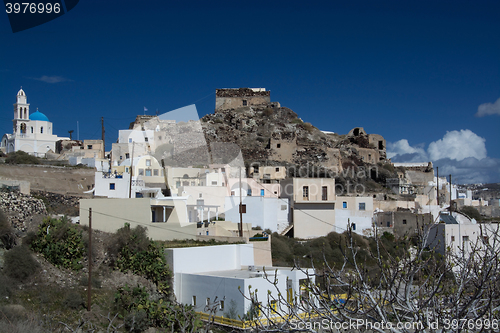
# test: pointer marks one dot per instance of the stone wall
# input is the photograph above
(20, 207)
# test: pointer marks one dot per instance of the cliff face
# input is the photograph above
(274, 135)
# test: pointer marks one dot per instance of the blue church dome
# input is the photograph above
(38, 116)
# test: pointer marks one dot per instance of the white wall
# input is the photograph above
(267, 213)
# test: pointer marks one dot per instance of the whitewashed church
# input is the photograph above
(32, 132)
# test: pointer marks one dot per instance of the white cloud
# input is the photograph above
(459, 153)
(402, 147)
(52, 79)
(458, 145)
(487, 109)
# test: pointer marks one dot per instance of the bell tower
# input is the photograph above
(21, 112)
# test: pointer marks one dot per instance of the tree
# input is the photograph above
(417, 289)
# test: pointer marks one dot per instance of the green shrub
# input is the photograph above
(471, 212)
(20, 157)
(7, 237)
(133, 251)
(60, 242)
(19, 264)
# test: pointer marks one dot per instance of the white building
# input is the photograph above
(32, 132)
(204, 276)
(267, 213)
(358, 211)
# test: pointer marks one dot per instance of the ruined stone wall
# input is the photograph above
(282, 150)
(368, 155)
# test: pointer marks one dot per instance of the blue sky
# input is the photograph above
(415, 71)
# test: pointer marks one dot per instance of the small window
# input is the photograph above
(361, 206)
(111, 186)
(148, 162)
(274, 306)
(146, 139)
(452, 238)
(404, 221)
(121, 157)
(141, 172)
(200, 195)
(155, 172)
(127, 155)
(245, 102)
(194, 301)
(324, 193)
(277, 169)
(148, 172)
(262, 192)
(129, 140)
(344, 204)
(126, 169)
(41, 129)
(214, 182)
(353, 226)
(305, 192)
(388, 224)
(222, 305)
(232, 193)
(243, 209)
(249, 192)
(465, 238)
(177, 184)
(31, 129)
(278, 145)
(89, 146)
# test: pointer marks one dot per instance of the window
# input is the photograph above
(177, 184)
(31, 129)
(232, 193)
(194, 301)
(249, 192)
(283, 207)
(361, 206)
(148, 172)
(274, 306)
(146, 139)
(245, 102)
(111, 186)
(201, 195)
(89, 146)
(41, 129)
(277, 169)
(452, 238)
(222, 305)
(121, 157)
(278, 145)
(127, 155)
(388, 224)
(192, 183)
(262, 192)
(344, 204)
(324, 193)
(305, 192)
(141, 172)
(214, 183)
(130, 140)
(148, 162)
(465, 238)
(353, 226)
(126, 169)
(243, 209)
(155, 172)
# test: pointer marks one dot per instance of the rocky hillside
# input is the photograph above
(274, 135)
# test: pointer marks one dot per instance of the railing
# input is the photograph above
(247, 324)
(112, 175)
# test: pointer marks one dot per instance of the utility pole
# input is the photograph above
(241, 210)
(131, 168)
(437, 186)
(103, 143)
(89, 290)
(451, 208)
